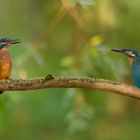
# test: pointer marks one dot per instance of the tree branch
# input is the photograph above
(51, 81)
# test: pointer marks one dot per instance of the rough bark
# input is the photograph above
(51, 81)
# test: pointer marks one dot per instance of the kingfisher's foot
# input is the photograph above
(9, 79)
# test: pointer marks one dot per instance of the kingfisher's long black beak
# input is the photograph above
(13, 41)
(118, 50)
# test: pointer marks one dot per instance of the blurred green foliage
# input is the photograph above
(70, 38)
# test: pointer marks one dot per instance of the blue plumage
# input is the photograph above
(135, 69)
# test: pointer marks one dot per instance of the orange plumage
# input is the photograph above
(5, 64)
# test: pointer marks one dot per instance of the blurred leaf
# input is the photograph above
(78, 120)
(96, 40)
(79, 111)
(67, 61)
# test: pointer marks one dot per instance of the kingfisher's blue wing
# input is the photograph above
(136, 72)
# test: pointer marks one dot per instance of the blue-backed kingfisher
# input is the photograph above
(134, 59)
(5, 58)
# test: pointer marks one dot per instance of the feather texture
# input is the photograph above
(135, 68)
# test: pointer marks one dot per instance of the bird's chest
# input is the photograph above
(4, 56)
(5, 64)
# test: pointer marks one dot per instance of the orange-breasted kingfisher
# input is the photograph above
(5, 58)
(134, 59)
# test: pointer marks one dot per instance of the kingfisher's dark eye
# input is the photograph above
(6, 40)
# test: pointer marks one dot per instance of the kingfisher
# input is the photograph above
(5, 58)
(134, 59)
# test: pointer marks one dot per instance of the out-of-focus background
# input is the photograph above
(70, 38)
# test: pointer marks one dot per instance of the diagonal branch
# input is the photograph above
(51, 81)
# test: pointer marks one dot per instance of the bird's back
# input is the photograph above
(136, 71)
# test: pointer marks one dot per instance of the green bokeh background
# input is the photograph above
(70, 38)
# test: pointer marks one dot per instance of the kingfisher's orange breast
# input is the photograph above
(5, 64)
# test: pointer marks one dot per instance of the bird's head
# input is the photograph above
(6, 42)
(129, 52)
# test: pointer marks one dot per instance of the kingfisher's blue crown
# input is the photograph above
(4, 39)
(134, 51)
